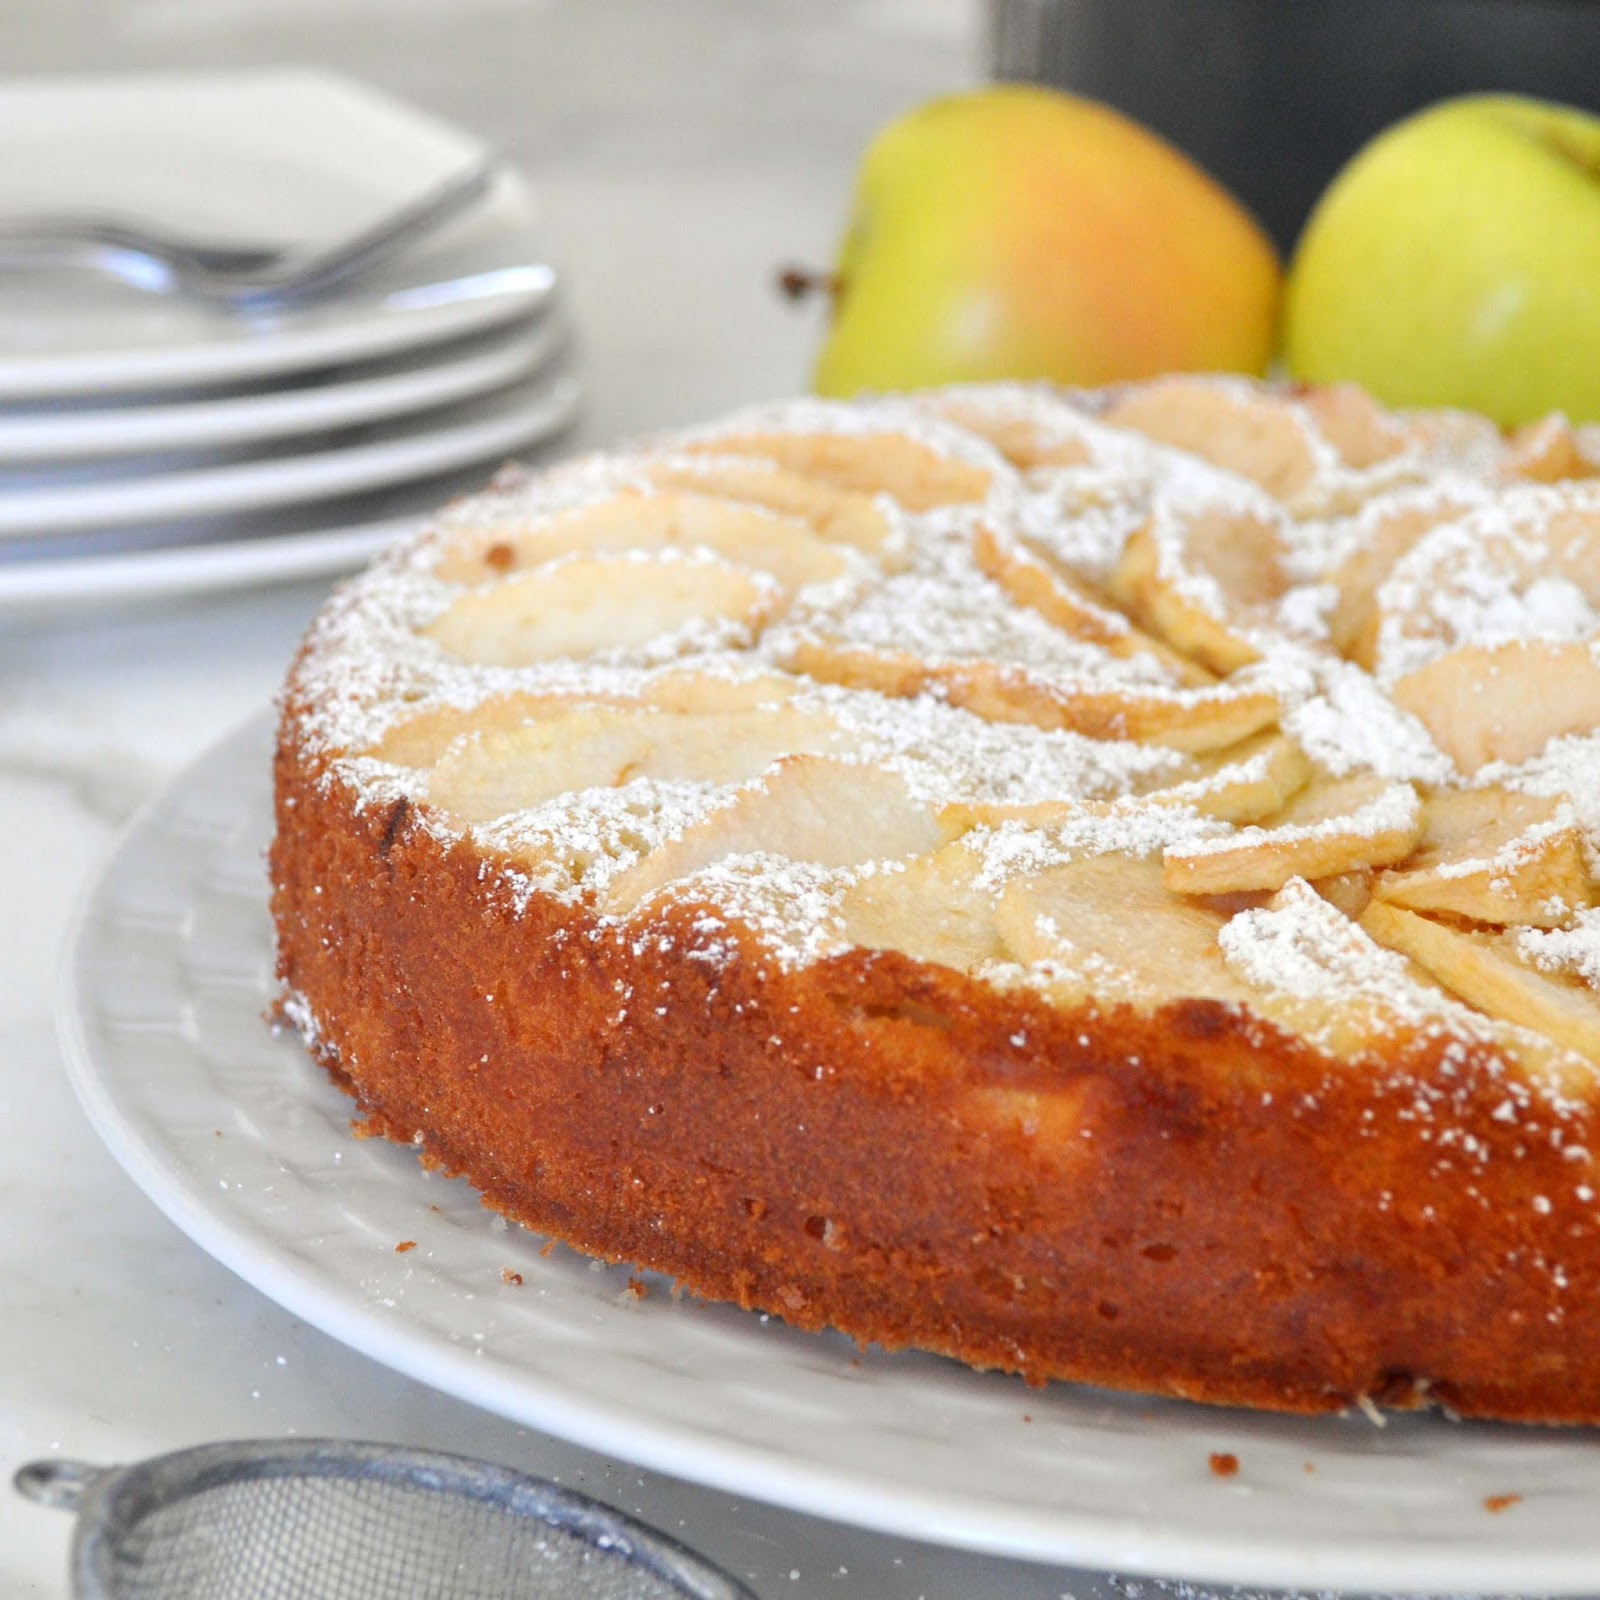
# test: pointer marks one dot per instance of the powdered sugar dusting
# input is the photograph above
(1571, 952)
(1511, 856)
(1396, 809)
(1349, 725)
(948, 756)
(1568, 769)
(572, 847)
(1301, 945)
(1016, 848)
(889, 415)
(1521, 567)
(1083, 498)
(791, 906)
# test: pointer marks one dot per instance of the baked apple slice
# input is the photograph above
(1485, 971)
(1494, 856)
(837, 515)
(497, 771)
(1506, 702)
(1032, 579)
(1246, 430)
(422, 738)
(807, 808)
(1181, 719)
(1107, 928)
(866, 462)
(1200, 580)
(1252, 780)
(930, 908)
(1242, 784)
(1316, 972)
(591, 605)
(745, 536)
(1383, 532)
(1029, 429)
(1547, 451)
(1330, 827)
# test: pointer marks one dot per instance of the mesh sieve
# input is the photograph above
(332, 1520)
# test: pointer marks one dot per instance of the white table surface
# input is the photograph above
(684, 150)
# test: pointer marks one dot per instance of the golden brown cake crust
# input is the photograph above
(1189, 1202)
(1100, 886)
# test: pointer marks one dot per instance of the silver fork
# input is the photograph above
(236, 277)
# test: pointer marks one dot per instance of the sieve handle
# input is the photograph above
(57, 1483)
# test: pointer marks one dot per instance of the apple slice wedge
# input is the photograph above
(1034, 580)
(1209, 718)
(930, 908)
(1319, 974)
(837, 515)
(1109, 929)
(1231, 424)
(499, 770)
(1546, 451)
(806, 808)
(745, 536)
(689, 690)
(1494, 856)
(493, 772)
(1507, 569)
(422, 738)
(1487, 703)
(878, 462)
(1030, 426)
(586, 605)
(1357, 427)
(1329, 828)
(1252, 780)
(1484, 970)
(1199, 579)
(1385, 530)
(1242, 784)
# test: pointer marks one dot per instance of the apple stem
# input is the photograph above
(802, 283)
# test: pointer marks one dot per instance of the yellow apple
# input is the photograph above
(1016, 232)
(1456, 261)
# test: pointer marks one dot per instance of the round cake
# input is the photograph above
(1098, 885)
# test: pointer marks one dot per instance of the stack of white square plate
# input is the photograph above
(155, 443)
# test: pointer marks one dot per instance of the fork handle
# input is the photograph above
(47, 237)
(61, 1484)
(316, 275)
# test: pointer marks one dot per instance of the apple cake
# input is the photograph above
(1098, 885)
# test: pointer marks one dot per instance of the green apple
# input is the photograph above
(1456, 262)
(1015, 232)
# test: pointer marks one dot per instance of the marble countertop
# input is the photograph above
(683, 151)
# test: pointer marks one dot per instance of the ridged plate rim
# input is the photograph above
(240, 1140)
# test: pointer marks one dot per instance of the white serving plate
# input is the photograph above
(493, 426)
(236, 1135)
(27, 587)
(295, 156)
(345, 399)
(167, 561)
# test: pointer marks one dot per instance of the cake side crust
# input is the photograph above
(1188, 1202)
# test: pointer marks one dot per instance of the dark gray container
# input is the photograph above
(1273, 96)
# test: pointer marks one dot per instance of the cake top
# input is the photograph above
(1193, 690)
